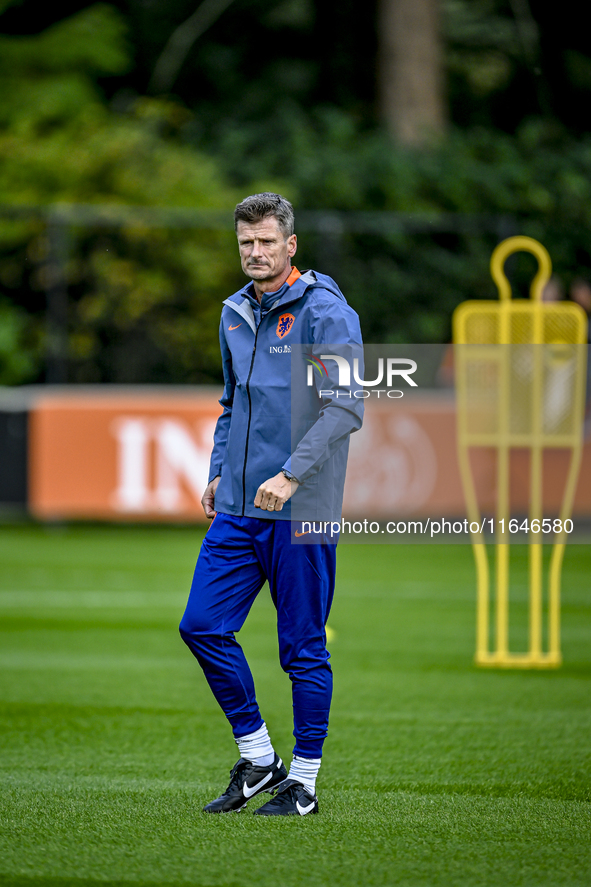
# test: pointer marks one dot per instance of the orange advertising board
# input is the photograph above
(404, 462)
(139, 455)
(120, 456)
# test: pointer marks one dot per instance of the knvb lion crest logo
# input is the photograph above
(284, 324)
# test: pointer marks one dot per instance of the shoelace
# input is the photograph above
(236, 774)
(289, 790)
(287, 795)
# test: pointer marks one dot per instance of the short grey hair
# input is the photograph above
(260, 206)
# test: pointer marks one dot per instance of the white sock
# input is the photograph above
(256, 747)
(305, 770)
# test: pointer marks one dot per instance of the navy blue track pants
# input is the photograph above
(237, 555)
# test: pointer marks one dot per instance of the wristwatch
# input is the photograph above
(289, 475)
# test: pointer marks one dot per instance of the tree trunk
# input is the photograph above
(410, 69)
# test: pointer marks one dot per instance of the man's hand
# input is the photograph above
(274, 493)
(208, 498)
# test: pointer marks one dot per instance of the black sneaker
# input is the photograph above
(291, 799)
(246, 781)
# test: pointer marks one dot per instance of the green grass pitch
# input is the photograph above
(435, 772)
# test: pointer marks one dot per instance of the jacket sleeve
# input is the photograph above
(222, 428)
(340, 412)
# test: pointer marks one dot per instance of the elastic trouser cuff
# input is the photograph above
(244, 723)
(310, 731)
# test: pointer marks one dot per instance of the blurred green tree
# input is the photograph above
(144, 302)
(410, 69)
(285, 97)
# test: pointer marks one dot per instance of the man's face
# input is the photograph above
(264, 251)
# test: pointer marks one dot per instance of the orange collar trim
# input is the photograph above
(293, 276)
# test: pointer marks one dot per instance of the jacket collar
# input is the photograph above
(245, 303)
(292, 290)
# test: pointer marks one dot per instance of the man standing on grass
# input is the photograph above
(254, 472)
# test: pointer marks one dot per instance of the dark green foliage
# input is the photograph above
(454, 201)
(280, 98)
(143, 302)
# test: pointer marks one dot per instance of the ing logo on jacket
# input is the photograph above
(284, 324)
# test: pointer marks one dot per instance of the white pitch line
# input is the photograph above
(30, 598)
